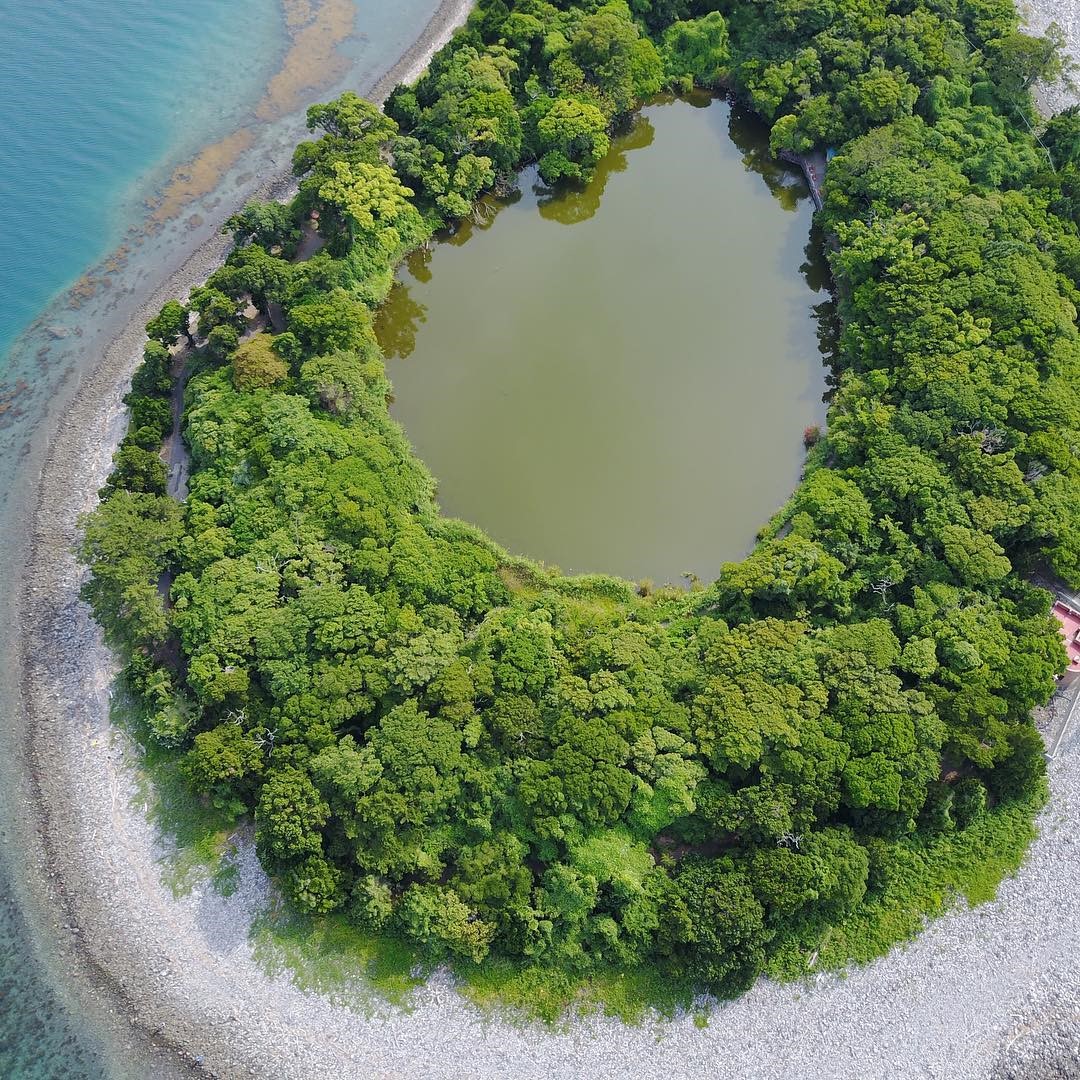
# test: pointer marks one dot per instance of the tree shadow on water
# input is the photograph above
(571, 203)
(398, 322)
(750, 134)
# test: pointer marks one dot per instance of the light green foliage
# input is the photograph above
(573, 138)
(347, 384)
(330, 323)
(697, 50)
(256, 365)
(435, 917)
(373, 202)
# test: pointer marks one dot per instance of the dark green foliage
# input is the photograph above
(136, 467)
(214, 308)
(222, 340)
(727, 934)
(152, 377)
(128, 540)
(502, 765)
(267, 224)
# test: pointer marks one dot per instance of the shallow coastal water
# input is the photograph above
(131, 128)
(93, 96)
(131, 147)
(618, 378)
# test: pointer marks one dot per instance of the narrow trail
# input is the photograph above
(174, 451)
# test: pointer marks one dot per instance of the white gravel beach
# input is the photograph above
(990, 992)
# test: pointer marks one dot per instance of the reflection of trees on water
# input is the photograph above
(815, 271)
(828, 328)
(400, 315)
(571, 203)
(398, 321)
(750, 135)
(567, 203)
(815, 267)
(419, 262)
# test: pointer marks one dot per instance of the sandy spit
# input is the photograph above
(995, 991)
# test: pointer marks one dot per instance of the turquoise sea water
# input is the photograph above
(93, 95)
(99, 101)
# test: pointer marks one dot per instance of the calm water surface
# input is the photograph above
(618, 378)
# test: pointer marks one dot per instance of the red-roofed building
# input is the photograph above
(1069, 619)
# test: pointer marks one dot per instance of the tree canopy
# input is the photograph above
(452, 745)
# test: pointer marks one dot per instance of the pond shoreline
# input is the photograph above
(179, 985)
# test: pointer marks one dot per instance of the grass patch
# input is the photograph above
(198, 832)
(554, 996)
(226, 878)
(336, 959)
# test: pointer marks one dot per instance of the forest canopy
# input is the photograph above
(454, 746)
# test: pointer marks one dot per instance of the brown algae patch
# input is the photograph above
(298, 12)
(313, 59)
(200, 175)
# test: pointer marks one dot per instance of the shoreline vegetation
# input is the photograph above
(993, 804)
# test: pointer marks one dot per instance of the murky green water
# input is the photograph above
(619, 378)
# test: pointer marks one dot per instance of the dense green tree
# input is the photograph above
(256, 365)
(330, 323)
(266, 224)
(130, 541)
(490, 760)
(697, 51)
(573, 138)
(167, 326)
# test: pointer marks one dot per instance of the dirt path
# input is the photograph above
(174, 451)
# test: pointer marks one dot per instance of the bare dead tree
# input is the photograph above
(482, 212)
(881, 588)
(265, 740)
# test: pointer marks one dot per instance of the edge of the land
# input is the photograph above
(63, 675)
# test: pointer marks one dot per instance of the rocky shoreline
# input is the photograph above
(176, 982)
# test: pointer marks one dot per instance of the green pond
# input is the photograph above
(618, 377)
